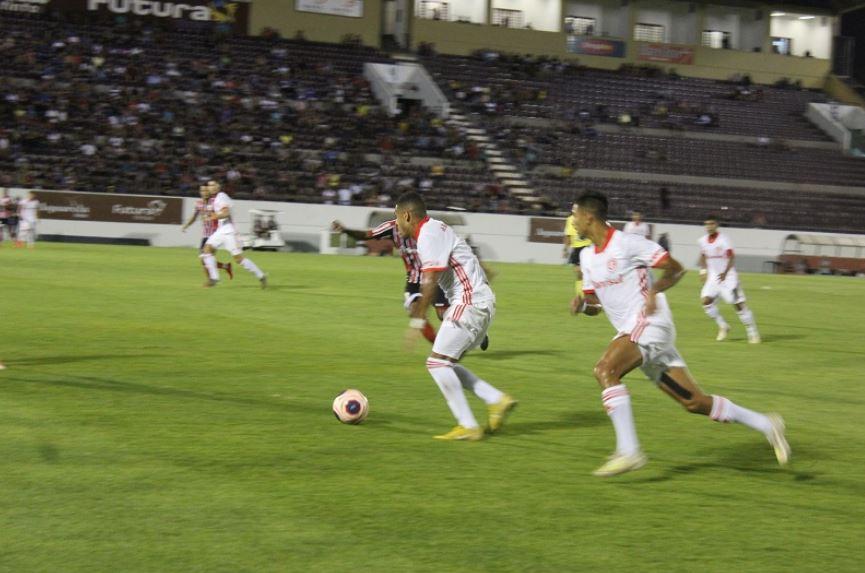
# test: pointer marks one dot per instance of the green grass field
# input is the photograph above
(149, 424)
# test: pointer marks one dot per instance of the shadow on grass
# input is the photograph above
(755, 459)
(568, 421)
(67, 359)
(779, 337)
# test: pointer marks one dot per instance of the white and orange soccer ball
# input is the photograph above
(350, 406)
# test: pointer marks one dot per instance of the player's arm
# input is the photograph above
(588, 304)
(223, 213)
(672, 273)
(731, 259)
(191, 220)
(702, 264)
(428, 283)
(353, 233)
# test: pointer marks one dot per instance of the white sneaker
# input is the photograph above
(754, 337)
(777, 439)
(723, 331)
(619, 464)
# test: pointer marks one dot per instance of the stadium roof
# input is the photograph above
(820, 6)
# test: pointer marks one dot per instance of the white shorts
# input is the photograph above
(729, 291)
(25, 226)
(225, 237)
(464, 327)
(657, 344)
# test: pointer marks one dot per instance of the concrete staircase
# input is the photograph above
(505, 173)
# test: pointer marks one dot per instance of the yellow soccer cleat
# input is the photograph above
(462, 433)
(619, 464)
(777, 439)
(499, 411)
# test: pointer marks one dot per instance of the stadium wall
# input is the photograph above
(282, 16)
(502, 238)
(766, 68)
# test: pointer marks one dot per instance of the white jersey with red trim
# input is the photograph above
(618, 273)
(462, 278)
(641, 229)
(222, 201)
(27, 209)
(718, 249)
(407, 248)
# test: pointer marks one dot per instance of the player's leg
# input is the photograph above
(709, 296)
(678, 383)
(475, 321)
(737, 296)
(233, 247)
(209, 259)
(621, 357)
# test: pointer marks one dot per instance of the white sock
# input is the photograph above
(617, 402)
(210, 265)
(714, 313)
(448, 382)
(482, 389)
(747, 318)
(251, 267)
(724, 410)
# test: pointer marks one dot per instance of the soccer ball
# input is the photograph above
(350, 406)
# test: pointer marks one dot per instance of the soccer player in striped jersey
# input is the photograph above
(408, 251)
(204, 209)
(617, 278)
(447, 262)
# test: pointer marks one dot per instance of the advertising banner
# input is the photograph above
(24, 6)
(67, 205)
(546, 230)
(351, 8)
(665, 53)
(596, 47)
(232, 13)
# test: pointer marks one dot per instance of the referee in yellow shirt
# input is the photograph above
(574, 243)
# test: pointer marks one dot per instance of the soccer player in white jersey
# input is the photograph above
(204, 209)
(617, 279)
(636, 226)
(225, 237)
(447, 261)
(28, 209)
(720, 279)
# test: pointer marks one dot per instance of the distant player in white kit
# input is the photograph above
(617, 279)
(636, 226)
(447, 261)
(720, 279)
(225, 237)
(204, 209)
(28, 209)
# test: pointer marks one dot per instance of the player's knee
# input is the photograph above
(707, 301)
(605, 373)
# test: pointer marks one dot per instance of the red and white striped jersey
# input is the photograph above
(618, 273)
(462, 278)
(407, 248)
(718, 249)
(205, 209)
(5, 207)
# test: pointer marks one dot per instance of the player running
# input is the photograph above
(204, 208)
(448, 262)
(617, 279)
(574, 243)
(408, 251)
(225, 236)
(720, 278)
(28, 215)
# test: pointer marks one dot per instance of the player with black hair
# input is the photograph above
(617, 280)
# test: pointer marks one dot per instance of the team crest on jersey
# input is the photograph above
(611, 265)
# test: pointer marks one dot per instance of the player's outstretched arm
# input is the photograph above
(353, 233)
(673, 273)
(191, 220)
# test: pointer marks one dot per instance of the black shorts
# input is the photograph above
(439, 300)
(574, 259)
(203, 240)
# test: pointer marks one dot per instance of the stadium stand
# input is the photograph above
(136, 108)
